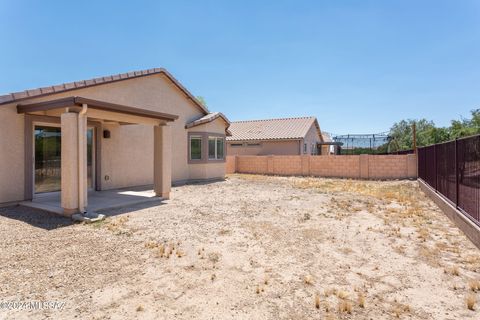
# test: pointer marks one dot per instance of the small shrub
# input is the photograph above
(474, 285)
(342, 294)
(344, 306)
(180, 253)
(317, 301)
(361, 300)
(471, 300)
(151, 244)
(308, 279)
(161, 250)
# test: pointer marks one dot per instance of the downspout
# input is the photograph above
(81, 158)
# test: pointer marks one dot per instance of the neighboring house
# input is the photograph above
(287, 136)
(124, 130)
(329, 147)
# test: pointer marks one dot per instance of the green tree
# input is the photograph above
(401, 134)
(427, 133)
(466, 127)
(202, 100)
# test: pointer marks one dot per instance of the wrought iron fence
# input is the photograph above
(453, 170)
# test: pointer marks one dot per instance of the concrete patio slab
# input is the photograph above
(97, 200)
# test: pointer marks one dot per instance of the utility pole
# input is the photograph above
(414, 130)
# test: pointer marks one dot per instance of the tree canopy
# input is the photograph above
(428, 133)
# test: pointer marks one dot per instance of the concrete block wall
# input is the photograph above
(335, 166)
(252, 164)
(353, 167)
(230, 164)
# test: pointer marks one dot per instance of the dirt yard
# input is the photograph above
(252, 247)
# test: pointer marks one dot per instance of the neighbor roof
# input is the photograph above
(326, 137)
(272, 129)
(33, 93)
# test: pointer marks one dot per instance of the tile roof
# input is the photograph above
(206, 119)
(271, 129)
(326, 137)
(31, 93)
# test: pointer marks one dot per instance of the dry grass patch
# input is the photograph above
(344, 306)
(361, 300)
(317, 301)
(400, 309)
(116, 225)
(474, 285)
(308, 280)
(470, 301)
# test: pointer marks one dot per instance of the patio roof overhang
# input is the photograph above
(103, 106)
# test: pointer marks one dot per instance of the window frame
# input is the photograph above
(190, 138)
(216, 138)
(204, 136)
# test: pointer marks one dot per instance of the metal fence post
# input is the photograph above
(435, 165)
(456, 174)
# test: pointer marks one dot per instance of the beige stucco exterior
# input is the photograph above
(127, 156)
(210, 170)
(311, 139)
(262, 148)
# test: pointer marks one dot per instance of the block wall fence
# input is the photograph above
(381, 167)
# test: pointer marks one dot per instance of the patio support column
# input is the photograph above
(162, 160)
(82, 159)
(69, 163)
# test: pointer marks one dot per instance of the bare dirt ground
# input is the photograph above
(251, 247)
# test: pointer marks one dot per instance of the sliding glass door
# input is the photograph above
(47, 158)
(47, 164)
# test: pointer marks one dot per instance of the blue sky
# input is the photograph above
(358, 65)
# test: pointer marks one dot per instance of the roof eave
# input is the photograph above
(70, 86)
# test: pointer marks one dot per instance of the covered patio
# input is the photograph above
(74, 115)
(98, 200)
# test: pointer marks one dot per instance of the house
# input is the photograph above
(132, 129)
(328, 146)
(286, 136)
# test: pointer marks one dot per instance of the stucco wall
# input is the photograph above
(11, 155)
(127, 157)
(265, 148)
(312, 137)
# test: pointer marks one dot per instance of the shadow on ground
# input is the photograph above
(50, 221)
(35, 217)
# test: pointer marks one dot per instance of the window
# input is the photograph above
(253, 144)
(236, 145)
(215, 148)
(195, 148)
(304, 148)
